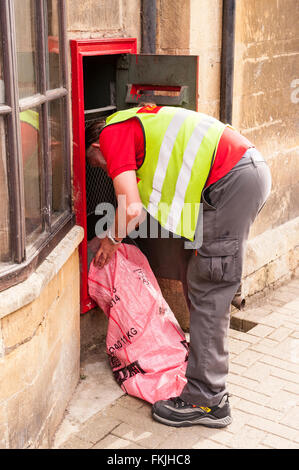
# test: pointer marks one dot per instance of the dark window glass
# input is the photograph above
(25, 24)
(57, 139)
(35, 198)
(4, 202)
(53, 42)
(31, 155)
(2, 93)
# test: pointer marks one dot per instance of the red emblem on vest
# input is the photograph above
(152, 109)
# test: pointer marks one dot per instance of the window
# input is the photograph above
(35, 190)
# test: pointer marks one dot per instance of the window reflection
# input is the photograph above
(30, 135)
(57, 156)
(54, 72)
(2, 92)
(26, 46)
(4, 211)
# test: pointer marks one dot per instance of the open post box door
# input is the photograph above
(169, 81)
(165, 79)
(107, 76)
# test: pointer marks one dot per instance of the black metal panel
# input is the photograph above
(99, 81)
(99, 188)
(227, 61)
(160, 70)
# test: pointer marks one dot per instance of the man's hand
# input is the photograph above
(105, 253)
(94, 244)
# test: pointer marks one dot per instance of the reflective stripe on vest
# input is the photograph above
(179, 149)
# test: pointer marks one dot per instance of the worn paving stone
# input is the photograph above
(281, 363)
(97, 427)
(291, 387)
(294, 305)
(139, 419)
(286, 375)
(236, 368)
(243, 381)
(208, 444)
(263, 381)
(273, 320)
(283, 401)
(247, 358)
(269, 384)
(276, 442)
(75, 443)
(247, 438)
(114, 442)
(137, 434)
(260, 410)
(247, 394)
(291, 418)
(239, 418)
(131, 402)
(185, 438)
(272, 428)
(261, 331)
(236, 346)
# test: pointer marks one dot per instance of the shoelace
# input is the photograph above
(178, 402)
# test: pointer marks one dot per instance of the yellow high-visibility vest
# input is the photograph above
(179, 150)
(30, 117)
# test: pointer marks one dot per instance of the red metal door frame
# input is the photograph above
(80, 49)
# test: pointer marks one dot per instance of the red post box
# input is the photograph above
(108, 75)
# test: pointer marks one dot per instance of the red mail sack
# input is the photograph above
(145, 344)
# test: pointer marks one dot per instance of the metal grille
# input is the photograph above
(99, 188)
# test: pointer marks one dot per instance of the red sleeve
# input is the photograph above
(118, 146)
(29, 137)
(231, 147)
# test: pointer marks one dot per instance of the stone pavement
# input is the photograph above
(263, 380)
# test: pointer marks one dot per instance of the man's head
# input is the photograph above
(92, 147)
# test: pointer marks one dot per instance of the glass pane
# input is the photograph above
(4, 201)
(53, 65)
(58, 156)
(31, 153)
(26, 46)
(2, 92)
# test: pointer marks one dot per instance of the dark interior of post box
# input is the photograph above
(99, 74)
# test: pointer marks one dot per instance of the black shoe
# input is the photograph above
(175, 412)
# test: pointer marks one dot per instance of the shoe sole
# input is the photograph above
(206, 421)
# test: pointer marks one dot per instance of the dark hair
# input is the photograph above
(94, 128)
(146, 103)
(92, 131)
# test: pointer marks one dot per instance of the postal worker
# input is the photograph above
(166, 159)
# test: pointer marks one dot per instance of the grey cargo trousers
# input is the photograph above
(229, 208)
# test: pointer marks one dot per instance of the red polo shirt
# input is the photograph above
(122, 146)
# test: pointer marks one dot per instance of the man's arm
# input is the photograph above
(129, 214)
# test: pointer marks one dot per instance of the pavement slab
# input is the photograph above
(263, 380)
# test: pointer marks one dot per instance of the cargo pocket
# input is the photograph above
(218, 260)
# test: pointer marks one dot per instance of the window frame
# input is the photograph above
(24, 260)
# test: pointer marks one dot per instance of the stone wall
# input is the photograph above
(102, 18)
(205, 41)
(265, 101)
(266, 111)
(193, 27)
(40, 348)
(265, 108)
